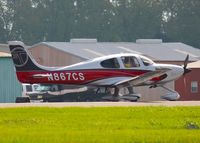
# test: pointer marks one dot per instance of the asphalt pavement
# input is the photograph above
(101, 104)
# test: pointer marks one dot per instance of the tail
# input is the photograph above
(21, 58)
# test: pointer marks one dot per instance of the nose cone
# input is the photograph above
(186, 71)
(179, 70)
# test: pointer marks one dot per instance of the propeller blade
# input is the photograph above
(185, 66)
(186, 62)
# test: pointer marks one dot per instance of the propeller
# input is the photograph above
(185, 71)
(185, 66)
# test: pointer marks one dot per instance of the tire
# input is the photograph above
(22, 100)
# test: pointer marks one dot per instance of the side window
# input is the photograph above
(54, 88)
(35, 86)
(130, 62)
(110, 63)
(29, 88)
(194, 87)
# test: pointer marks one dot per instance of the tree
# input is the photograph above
(183, 20)
(139, 18)
(94, 19)
(33, 21)
(5, 21)
(59, 19)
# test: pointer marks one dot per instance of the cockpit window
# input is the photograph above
(110, 63)
(146, 61)
(130, 62)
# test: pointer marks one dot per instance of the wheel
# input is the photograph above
(131, 97)
(22, 100)
(110, 98)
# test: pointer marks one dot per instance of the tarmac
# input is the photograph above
(100, 104)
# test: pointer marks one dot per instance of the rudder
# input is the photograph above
(21, 58)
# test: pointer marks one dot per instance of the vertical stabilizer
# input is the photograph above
(21, 58)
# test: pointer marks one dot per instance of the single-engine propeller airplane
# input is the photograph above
(113, 71)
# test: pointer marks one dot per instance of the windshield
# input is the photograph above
(146, 61)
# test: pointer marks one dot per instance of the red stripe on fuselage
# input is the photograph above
(75, 76)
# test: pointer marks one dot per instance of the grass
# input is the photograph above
(100, 124)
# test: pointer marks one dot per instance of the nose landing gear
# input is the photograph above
(171, 96)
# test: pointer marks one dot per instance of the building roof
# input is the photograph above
(4, 48)
(156, 50)
(194, 64)
(3, 54)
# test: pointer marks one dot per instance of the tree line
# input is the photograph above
(33, 21)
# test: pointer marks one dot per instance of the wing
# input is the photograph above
(138, 80)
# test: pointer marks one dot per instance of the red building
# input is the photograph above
(188, 85)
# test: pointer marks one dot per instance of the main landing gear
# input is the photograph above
(132, 96)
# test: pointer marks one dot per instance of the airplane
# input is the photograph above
(116, 71)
